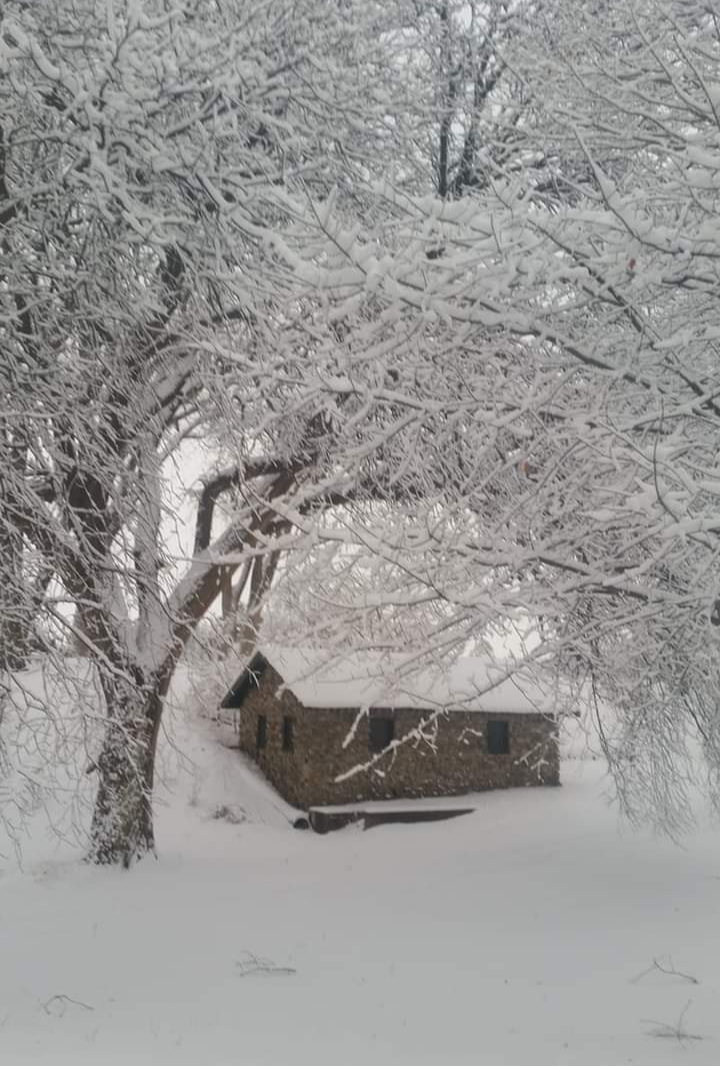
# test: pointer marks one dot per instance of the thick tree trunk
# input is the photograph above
(122, 823)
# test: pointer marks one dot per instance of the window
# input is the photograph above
(498, 738)
(261, 735)
(381, 733)
(288, 734)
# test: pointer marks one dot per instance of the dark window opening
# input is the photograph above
(381, 733)
(288, 734)
(498, 738)
(261, 735)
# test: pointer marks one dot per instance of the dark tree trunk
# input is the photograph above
(122, 823)
(14, 621)
(13, 642)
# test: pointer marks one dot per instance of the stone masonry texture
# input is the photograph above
(457, 760)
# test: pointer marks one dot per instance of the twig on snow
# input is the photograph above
(254, 966)
(673, 1032)
(62, 1002)
(668, 969)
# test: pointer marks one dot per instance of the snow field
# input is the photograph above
(524, 933)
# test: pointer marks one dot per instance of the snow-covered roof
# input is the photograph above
(318, 678)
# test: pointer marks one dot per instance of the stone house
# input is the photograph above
(308, 722)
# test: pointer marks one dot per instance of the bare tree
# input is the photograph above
(500, 404)
(580, 494)
(150, 159)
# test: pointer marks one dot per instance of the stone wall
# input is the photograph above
(458, 763)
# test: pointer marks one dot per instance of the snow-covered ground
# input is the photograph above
(524, 933)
